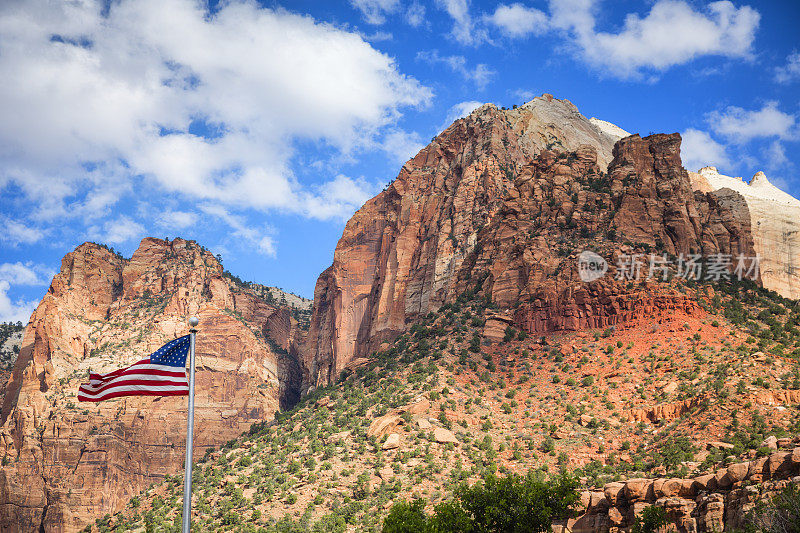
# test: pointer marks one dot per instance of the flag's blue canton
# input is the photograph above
(173, 353)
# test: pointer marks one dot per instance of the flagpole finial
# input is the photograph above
(193, 321)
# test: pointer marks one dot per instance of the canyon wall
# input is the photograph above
(503, 201)
(399, 253)
(66, 463)
(775, 220)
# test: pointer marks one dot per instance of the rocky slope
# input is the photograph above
(774, 219)
(686, 413)
(510, 197)
(66, 463)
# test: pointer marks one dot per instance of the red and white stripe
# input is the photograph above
(139, 379)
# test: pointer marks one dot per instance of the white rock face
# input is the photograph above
(612, 130)
(774, 221)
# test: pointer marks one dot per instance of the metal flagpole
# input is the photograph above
(187, 476)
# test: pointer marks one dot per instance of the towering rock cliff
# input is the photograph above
(503, 200)
(65, 463)
(774, 217)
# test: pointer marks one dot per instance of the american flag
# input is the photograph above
(163, 373)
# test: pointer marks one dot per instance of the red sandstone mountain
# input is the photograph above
(499, 203)
(68, 463)
(494, 199)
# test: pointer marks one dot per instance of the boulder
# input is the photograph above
(613, 492)
(636, 489)
(443, 436)
(719, 445)
(383, 425)
(392, 442)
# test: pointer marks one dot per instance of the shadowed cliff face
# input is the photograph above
(504, 200)
(774, 217)
(68, 463)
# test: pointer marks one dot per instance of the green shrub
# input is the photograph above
(651, 519)
(498, 504)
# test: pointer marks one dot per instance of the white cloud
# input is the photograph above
(27, 273)
(481, 75)
(776, 157)
(672, 33)
(516, 20)
(120, 230)
(259, 239)
(111, 99)
(460, 110)
(524, 94)
(465, 31)
(740, 125)
(15, 232)
(176, 219)
(402, 145)
(339, 198)
(415, 14)
(699, 150)
(14, 311)
(19, 273)
(791, 71)
(377, 36)
(375, 11)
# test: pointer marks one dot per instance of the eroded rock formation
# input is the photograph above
(717, 501)
(775, 220)
(66, 463)
(502, 202)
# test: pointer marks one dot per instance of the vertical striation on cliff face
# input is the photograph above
(68, 463)
(774, 217)
(505, 199)
(399, 253)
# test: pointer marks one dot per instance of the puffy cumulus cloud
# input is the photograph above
(517, 20)
(480, 75)
(339, 197)
(791, 71)
(699, 150)
(207, 105)
(14, 311)
(117, 231)
(27, 273)
(740, 125)
(375, 11)
(672, 33)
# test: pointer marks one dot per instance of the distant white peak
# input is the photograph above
(759, 186)
(759, 180)
(608, 128)
(712, 172)
(548, 101)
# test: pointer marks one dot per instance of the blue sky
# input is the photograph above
(258, 128)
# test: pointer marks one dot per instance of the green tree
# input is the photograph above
(512, 504)
(650, 520)
(407, 517)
